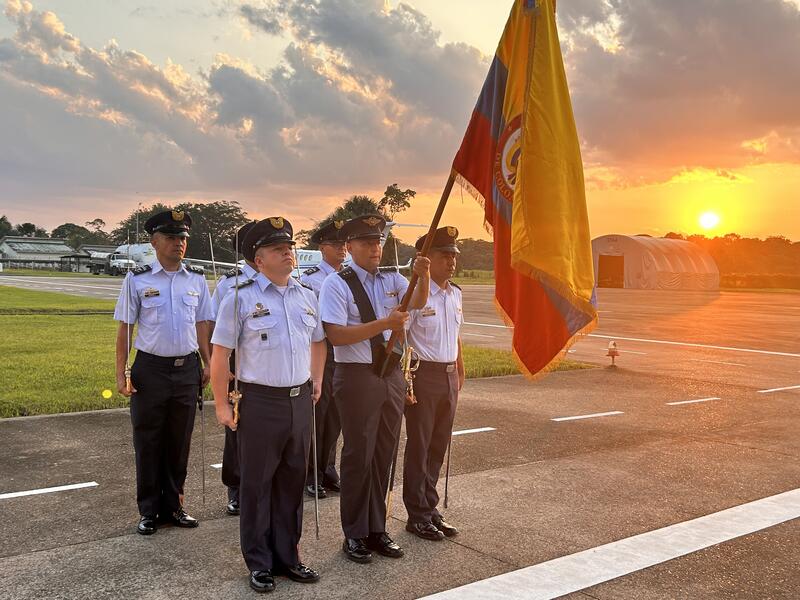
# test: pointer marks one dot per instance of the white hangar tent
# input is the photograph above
(648, 263)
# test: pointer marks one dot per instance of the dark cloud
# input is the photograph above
(264, 19)
(688, 83)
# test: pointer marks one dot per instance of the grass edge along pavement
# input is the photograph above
(58, 354)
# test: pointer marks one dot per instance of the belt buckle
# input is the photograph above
(450, 368)
(179, 362)
(294, 392)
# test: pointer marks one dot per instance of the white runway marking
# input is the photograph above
(632, 352)
(691, 401)
(217, 466)
(60, 488)
(691, 345)
(594, 566)
(718, 362)
(605, 414)
(478, 430)
(780, 389)
(479, 335)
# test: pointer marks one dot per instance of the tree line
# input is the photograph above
(736, 256)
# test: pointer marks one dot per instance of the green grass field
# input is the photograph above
(58, 354)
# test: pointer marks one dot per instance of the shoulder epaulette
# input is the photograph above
(142, 269)
(305, 285)
(455, 285)
(245, 283)
(346, 273)
(198, 270)
(233, 272)
(311, 271)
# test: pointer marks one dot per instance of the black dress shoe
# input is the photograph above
(262, 581)
(383, 545)
(356, 550)
(333, 486)
(320, 491)
(232, 508)
(180, 519)
(426, 531)
(301, 573)
(146, 526)
(444, 527)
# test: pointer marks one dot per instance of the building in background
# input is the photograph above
(648, 263)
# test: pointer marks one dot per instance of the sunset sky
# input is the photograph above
(684, 107)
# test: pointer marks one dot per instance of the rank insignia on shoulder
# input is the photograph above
(428, 312)
(198, 270)
(142, 269)
(455, 285)
(260, 311)
(150, 292)
(244, 283)
(233, 272)
(311, 271)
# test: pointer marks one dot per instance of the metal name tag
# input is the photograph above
(391, 294)
(149, 292)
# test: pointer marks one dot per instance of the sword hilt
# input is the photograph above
(127, 378)
(234, 396)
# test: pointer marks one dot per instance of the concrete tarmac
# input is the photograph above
(574, 461)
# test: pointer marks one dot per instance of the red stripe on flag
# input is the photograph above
(540, 333)
(476, 156)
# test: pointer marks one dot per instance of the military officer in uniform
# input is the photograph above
(434, 334)
(359, 311)
(281, 352)
(172, 306)
(328, 427)
(230, 456)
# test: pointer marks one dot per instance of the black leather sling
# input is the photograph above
(367, 313)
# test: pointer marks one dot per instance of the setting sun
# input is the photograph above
(709, 220)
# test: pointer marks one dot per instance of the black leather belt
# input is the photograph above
(437, 366)
(171, 361)
(287, 392)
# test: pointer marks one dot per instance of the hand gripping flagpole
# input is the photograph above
(426, 247)
(314, 459)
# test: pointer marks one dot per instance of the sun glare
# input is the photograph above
(709, 220)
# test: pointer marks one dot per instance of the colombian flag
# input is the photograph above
(521, 159)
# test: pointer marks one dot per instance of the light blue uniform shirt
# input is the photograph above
(317, 278)
(225, 284)
(275, 332)
(433, 330)
(338, 307)
(167, 307)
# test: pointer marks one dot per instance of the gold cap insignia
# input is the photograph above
(338, 224)
(372, 221)
(452, 232)
(276, 222)
(177, 215)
